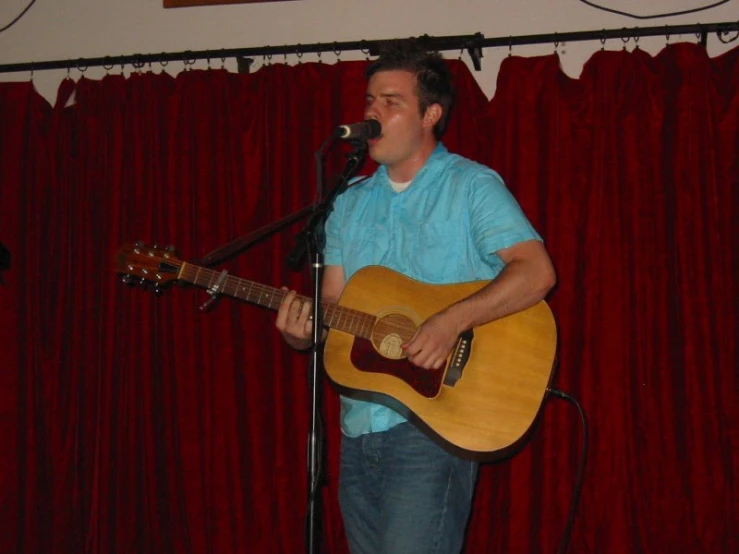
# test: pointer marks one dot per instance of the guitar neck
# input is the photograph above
(350, 321)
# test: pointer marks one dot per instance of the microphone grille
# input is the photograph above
(372, 128)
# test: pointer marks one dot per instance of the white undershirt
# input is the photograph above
(399, 187)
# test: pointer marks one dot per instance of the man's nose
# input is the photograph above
(370, 112)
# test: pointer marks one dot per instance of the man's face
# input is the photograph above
(392, 100)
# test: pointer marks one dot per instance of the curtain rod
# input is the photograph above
(472, 43)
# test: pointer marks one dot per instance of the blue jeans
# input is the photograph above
(401, 493)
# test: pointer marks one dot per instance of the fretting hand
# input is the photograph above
(295, 320)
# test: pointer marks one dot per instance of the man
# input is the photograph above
(438, 218)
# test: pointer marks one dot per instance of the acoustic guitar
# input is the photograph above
(483, 401)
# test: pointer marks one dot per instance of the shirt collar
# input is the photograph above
(439, 151)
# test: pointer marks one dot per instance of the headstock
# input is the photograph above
(144, 265)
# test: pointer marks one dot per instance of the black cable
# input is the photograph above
(670, 14)
(565, 541)
(9, 25)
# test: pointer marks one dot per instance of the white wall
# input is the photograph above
(72, 29)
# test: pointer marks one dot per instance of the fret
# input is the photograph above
(348, 318)
(353, 324)
(338, 319)
(236, 284)
(210, 281)
(239, 288)
(227, 286)
(342, 315)
(330, 312)
(357, 325)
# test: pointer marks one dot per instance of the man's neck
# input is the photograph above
(407, 170)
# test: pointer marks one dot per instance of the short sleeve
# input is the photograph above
(497, 220)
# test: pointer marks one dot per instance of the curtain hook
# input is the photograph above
(299, 54)
(106, 66)
(337, 51)
(31, 76)
(603, 40)
(363, 48)
(188, 62)
(556, 42)
(625, 40)
(510, 46)
(636, 43)
(319, 56)
(137, 64)
(721, 34)
(667, 34)
(81, 68)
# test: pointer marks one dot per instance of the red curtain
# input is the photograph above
(139, 424)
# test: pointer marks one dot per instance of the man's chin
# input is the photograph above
(373, 152)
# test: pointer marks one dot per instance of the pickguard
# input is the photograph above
(426, 382)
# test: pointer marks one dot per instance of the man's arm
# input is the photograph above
(293, 316)
(525, 280)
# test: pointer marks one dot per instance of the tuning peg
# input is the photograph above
(128, 280)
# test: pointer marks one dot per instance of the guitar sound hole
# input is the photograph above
(391, 332)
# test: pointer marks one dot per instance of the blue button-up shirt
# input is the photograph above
(444, 228)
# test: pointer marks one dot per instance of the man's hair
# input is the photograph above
(432, 75)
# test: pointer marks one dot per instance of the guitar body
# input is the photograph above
(502, 384)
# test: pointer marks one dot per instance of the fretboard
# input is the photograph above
(336, 317)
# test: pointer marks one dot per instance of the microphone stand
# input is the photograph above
(312, 239)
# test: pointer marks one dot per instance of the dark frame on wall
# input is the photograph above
(188, 3)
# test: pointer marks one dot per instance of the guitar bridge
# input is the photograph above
(459, 358)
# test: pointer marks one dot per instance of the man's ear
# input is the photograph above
(432, 115)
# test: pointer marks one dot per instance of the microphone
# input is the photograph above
(364, 130)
